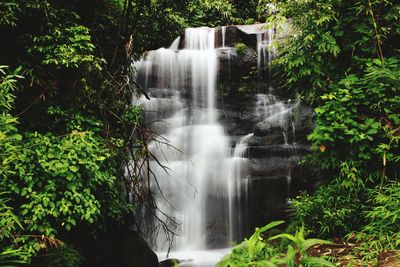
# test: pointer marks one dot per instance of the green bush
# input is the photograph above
(381, 230)
(10, 225)
(64, 257)
(10, 255)
(333, 210)
(261, 250)
(241, 49)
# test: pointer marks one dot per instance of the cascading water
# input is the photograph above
(265, 52)
(200, 178)
(195, 150)
(268, 108)
(223, 35)
(276, 113)
(237, 184)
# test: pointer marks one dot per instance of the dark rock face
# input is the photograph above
(267, 199)
(234, 65)
(169, 263)
(232, 36)
(117, 247)
(235, 34)
(301, 119)
(120, 249)
(274, 152)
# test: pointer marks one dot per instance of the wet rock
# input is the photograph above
(304, 119)
(143, 255)
(237, 120)
(232, 36)
(277, 151)
(272, 138)
(234, 64)
(300, 118)
(273, 166)
(249, 33)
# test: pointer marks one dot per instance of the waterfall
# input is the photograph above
(199, 188)
(175, 44)
(205, 173)
(223, 33)
(238, 181)
(269, 108)
(265, 52)
(277, 113)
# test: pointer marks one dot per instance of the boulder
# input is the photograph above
(304, 119)
(272, 166)
(119, 247)
(232, 36)
(234, 64)
(301, 118)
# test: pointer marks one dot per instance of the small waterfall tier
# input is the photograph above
(226, 147)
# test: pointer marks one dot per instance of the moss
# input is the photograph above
(241, 49)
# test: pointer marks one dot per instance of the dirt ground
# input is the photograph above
(341, 252)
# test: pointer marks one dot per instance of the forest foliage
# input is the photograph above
(58, 169)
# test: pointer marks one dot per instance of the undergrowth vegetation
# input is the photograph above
(342, 58)
(261, 249)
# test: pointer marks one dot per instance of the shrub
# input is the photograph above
(259, 250)
(241, 49)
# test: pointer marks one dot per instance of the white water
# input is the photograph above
(175, 44)
(204, 181)
(223, 33)
(239, 171)
(269, 108)
(201, 188)
(201, 258)
(278, 114)
(265, 52)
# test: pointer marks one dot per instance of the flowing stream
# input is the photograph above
(199, 179)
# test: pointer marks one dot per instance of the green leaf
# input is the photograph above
(313, 241)
(271, 225)
(313, 261)
(73, 168)
(287, 236)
